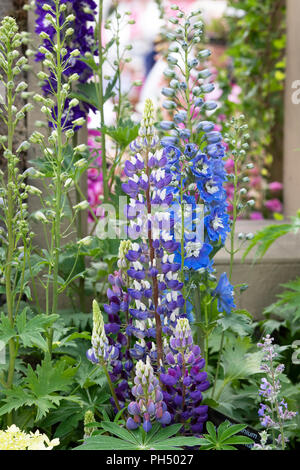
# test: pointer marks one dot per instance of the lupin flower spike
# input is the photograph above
(101, 350)
(89, 418)
(156, 295)
(184, 380)
(149, 404)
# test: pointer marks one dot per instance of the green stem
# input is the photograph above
(81, 293)
(277, 407)
(225, 382)
(159, 341)
(206, 334)
(182, 241)
(58, 186)
(188, 91)
(218, 364)
(232, 254)
(10, 229)
(111, 386)
(101, 104)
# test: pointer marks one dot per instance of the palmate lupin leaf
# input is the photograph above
(157, 439)
(224, 438)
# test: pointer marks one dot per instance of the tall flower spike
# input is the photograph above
(154, 295)
(274, 412)
(101, 351)
(89, 418)
(184, 380)
(148, 404)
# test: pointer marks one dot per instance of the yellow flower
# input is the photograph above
(15, 439)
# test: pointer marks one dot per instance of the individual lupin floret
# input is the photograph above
(149, 404)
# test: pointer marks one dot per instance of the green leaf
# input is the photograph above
(238, 363)
(125, 133)
(100, 442)
(225, 447)
(207, 446)
(239, 440)
(239, 324)
(178, 441)
(49, 378)
(87, 93)
(120, 432)
(30, 332)
(212, 431)
(265, 238)
(39, 388)
(164, 433)
(230, 431)
(6, 330)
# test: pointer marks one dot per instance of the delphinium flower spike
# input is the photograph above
(15, 234)
(184, 380)
(57, 110)
(82, 13)
(148, 404)
(194, 148)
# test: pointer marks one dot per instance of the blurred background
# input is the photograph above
(248, 44)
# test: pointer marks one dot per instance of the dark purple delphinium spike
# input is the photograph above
(185, 380)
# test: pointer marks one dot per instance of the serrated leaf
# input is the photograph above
(239, 324)
(6, 330)
(237, 363)
(125, 133)
(49, 378)
(30, 331)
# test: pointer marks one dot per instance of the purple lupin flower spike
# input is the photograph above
(184, 379)
(148, 405)
(155, 294)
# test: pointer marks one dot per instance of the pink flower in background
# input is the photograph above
(275, 186)
(256, 216)
(234, 95)
(229, 165)
(256, 182)
(274, 205)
